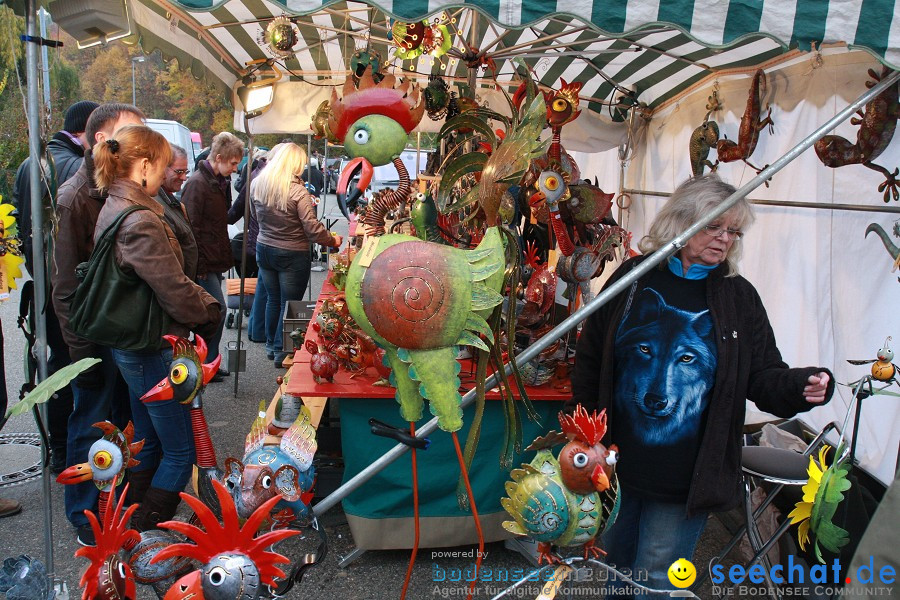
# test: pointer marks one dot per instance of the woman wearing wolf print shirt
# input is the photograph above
(672, 360)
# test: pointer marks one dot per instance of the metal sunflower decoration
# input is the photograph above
(280, 37)
(10, 251)
(821, 496)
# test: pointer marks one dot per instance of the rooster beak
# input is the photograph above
(348, 198)
(189, 586)
(536, 199)
(161, 391)
(76, 474)
(599, 479)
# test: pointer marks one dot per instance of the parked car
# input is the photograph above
(177, 134)
(197, 142)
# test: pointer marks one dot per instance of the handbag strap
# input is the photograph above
(110, 231)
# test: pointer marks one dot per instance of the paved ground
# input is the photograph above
(375, 575)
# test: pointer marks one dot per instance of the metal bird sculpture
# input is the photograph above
(570, 499)
(108, 458)
(236, 563)
(108, 577)
(188, 375)
(285, 471)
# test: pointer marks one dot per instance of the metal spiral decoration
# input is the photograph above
(385, 202)
(414, 279)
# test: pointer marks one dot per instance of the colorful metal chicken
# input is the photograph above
(876, 128)
(570, 499)
(285, 471)
(107, 577)
(374, 122)
(236, 563)
(107, 460)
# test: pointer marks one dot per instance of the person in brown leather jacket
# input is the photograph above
(132, 166)
(100, 393)
(207, 198)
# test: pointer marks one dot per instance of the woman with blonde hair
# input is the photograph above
(287, 228)
(132, 166)
(673, 360)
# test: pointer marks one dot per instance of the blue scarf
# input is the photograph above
(695, 271)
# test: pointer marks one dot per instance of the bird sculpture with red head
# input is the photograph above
(570, 499)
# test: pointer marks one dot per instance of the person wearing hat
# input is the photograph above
(67, 149)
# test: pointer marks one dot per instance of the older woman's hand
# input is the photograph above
(818, 386)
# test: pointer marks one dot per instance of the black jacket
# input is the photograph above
(67, 157)
(207, 202)
(749, 366)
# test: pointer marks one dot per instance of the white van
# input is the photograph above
(177, 134)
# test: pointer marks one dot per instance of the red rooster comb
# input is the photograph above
(590, 429)
(229, 535)
(111, 537)
(402, 103)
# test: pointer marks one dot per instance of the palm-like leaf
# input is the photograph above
(45, 389)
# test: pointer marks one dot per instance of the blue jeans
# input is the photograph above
(212, 283)
(647, 538)
(164, 426)
(92, 405)
(256, 325)
(286, 275)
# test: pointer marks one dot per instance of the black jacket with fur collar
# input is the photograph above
(749, 366)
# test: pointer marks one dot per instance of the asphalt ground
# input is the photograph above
(374, 575)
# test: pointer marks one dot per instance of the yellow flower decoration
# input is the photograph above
(803, 509)
(10, 249)
(821, 496)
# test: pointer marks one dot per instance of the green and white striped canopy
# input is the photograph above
(654, 48)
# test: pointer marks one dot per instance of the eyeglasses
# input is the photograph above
(718, 231)
(180, 171)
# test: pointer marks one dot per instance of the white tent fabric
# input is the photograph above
(828, 289)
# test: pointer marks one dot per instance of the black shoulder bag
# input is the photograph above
(111, 307)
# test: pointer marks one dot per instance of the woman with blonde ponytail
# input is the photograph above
(131, 166)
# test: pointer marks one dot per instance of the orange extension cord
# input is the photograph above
(415, 486)
(465, 474)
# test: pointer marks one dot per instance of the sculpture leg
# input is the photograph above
(462, 466)
(415, 487)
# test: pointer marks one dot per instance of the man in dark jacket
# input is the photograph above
(97, 396)
(175, 214)
(207, 198)
(67, 150)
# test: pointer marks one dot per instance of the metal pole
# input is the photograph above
(606, 295)
(45, 65)
(37, 246)
(246, 192)
(791, 204)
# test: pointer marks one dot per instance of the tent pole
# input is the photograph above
(606, 295)
(790, 203)
(246, 192)
(37, 246)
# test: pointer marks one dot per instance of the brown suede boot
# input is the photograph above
(138, 484)
(157, 506)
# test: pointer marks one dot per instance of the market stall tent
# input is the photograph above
(664, 57)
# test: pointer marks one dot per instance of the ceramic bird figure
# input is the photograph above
(285, 471)
(570, 499)
(236, 563)
(107, 577)
(107, 460)
(374, 122)
(322, 363)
